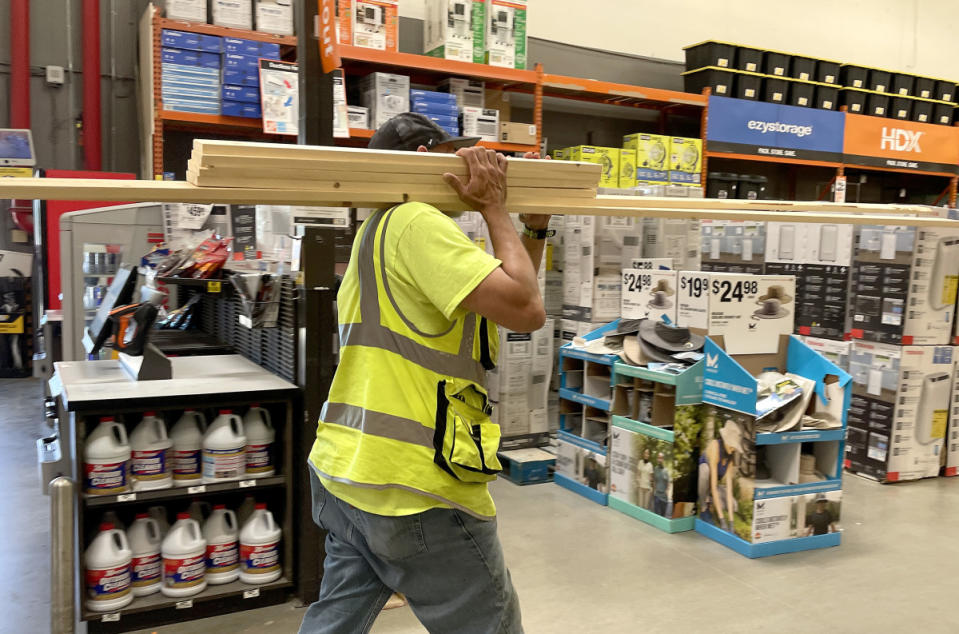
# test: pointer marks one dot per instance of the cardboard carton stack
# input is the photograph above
(190, 71)
(519, 386)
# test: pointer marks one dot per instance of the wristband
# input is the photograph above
(538, 234)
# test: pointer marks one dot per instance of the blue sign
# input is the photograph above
(740, 126)
(726, 383)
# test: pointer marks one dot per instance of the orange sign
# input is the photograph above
(326, 35)
(878, 142)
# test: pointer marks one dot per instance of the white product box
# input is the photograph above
(188, 10)
(506, 33)
(835, 351)
(809, 243)
(358, 117)
(519, 386)
(481, 122)
(952, 438)
(662, 264)
(899, 413)
(733, 246)
(385, 95)
(649, 294)
(450, 28)
(274, 16)
(749, 311)
(369, 23)
(469, 92)
(675, 239)
(235, 14)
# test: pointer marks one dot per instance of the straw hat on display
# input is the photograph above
(776, 292)
(663, 285)
(771, 309)
(659, 300)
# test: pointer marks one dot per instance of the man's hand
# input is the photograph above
(535, 221)
(485, 188)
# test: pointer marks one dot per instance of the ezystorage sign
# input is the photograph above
(739, 126)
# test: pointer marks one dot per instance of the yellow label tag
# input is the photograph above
(14, 327)
(940, 419)
(950, 287)
(16, 172)
(213, 286)
(549, 256)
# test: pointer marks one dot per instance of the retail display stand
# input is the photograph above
(778, 501)
(87, 390)
(665, 419)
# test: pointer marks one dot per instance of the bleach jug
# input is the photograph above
(187, 437)
(150, 466)
(222, 546)
(260, 548)
(107, 563)
(111, 517)
(246, 510)
(259, 442)
(107, 458)
(184, 558)
(145, 541)
(224, 448)
(159, 514)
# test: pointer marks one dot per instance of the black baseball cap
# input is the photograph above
(410, 130)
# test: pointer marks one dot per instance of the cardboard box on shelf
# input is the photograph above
(182, 57)
(519, 386)
(191, 41)
(385, 95)
(358, 117)
(608, 157)
(368, 23)
(904, 282)
(834, 350)
(561, 154)
(752, 312)
(506, 33)
(677, 240)
(481, 122)
(188, 10)
(468, 92)
(274, 16)
(685, 162)
(498, 99)
(627, 168)
(899, 414)
(649, 294)
(652, 156)
(453, 29)
(235, 14)
(521, 133)
(952, 438)
(733, 246)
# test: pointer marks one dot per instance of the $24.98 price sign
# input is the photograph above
(724, 290)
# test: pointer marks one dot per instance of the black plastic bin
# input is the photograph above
(803, 68)
(720, 80)
(710, 53)
(880, 80)
(752, 187)
(776, 90)
(925, 88)
(854, 76)
(854, 100)
(721, 185)
(749, 59)
(827, 97)
(943, 113)
(877, 105)
(946, 90)
(802, 93)
(904, 85)
(777, 63)
(827, 72)
(749, 86)
(901, 108)
(923, 111)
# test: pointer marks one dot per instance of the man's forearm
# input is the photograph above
(535, 249)
(520, 261)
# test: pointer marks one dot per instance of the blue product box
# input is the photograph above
(443, 121)
(198, 73)
(241, 109)
(270, 50)
(429, 107)
(233, 61)
(236, 77)
(192, 105)
(192, 41)
(241, 47)
(191, 81)
(432, 96)
(190, 58)
(249, 94)
(185, 91)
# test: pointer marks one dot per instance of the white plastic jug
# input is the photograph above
(160, 515)
(260, 548)
(107, 458)
(107, 561)
(150, 465)
(222, 546)
(145, 541)
(111, 517)
(246, 510)
(259, 442)
(187, 437)
(224, 448)
(184, 558)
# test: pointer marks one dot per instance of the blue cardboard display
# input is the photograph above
(241, 109)
(247, 63)
(189, 58)
(249, 94)
(191, 41)
(237, 77)
(432, 107)
(241, 47)
(432, 96)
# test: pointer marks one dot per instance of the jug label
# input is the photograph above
(223, 463)
(258, 458)
(105, 478)
(260, 559)
(149, 464)
(146, 570)
(222, 557)
(183, 572)
(108, 583)
(186, 465)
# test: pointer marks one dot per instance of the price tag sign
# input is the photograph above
(126, 497)
(113, 617)
(251, 594)
(246, 484)
(649, 293)
(200, 488)
(635, 293)
(184, 605)
(213, 286)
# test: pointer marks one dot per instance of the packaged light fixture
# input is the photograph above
(787, 242)
(506, 33)
(945, 274)
(933, 412)
(370, 24)
(828, 236)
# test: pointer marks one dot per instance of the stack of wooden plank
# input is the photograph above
(417, 176)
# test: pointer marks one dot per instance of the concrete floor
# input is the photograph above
(582, 568)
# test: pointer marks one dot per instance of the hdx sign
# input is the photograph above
(878, 142)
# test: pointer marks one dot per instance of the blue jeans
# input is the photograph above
(448, 564)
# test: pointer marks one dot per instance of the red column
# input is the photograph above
(91, 85)
(19, 64)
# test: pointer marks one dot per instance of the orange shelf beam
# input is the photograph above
(870, 168)
(771, 159)
(622, 94)
(435, 65)
(222, 31)
(210, 119)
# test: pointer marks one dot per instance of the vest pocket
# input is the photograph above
(465, 439)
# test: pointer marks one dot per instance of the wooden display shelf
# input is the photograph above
(174, 493)
(222, 31)
(369, 59)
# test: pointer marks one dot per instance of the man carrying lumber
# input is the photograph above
(405, 446)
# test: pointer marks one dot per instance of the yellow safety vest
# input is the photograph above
(408, 409)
